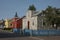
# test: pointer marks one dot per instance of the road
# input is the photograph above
(12, 36)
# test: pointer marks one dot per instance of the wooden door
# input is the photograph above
(28, 24)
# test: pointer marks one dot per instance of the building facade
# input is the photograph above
(2, 24)
(7, 23)
(33, 20)
(16, 22)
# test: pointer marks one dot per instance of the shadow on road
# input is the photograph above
(6, 35)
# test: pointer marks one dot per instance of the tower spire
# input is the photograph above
(16, 14)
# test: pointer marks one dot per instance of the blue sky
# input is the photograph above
(8, 8)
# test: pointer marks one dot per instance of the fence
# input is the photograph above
(18, 31)
(41, 32)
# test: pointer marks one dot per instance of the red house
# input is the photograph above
(16, 22)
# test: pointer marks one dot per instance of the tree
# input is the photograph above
(32, 7)
(51, 16)
(48, 14)
(58, 17)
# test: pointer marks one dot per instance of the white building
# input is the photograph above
(33, 20)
